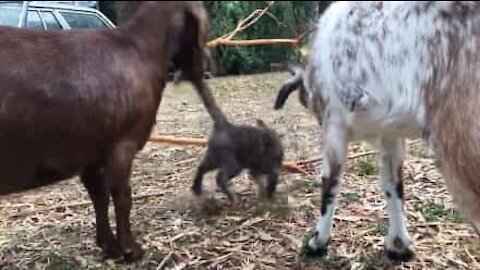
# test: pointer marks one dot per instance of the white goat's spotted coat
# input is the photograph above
(371, 61)
(377, 71)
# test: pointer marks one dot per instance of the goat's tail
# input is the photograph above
(219, 118)
(289, 86)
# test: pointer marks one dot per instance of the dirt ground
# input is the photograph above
(53, 227)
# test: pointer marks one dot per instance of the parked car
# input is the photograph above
(57, 15)
(49, 15)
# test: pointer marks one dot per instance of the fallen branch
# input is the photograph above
(242, 25)
(78, 204)
(358, 155)
(228, 42)
(246, 223)
(293, 167)
(290, 166)
(226, 39)
(313, 160)
(308, 31)
(164, 261)
(215, 261)
(179, 140)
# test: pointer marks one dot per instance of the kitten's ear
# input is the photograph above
(260, 123)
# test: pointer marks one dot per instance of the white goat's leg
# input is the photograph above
(397, 242)
(335, 150)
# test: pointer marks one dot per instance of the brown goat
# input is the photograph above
(84, 103)
(452, 100)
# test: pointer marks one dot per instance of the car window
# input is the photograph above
(83, 20)
(34, 21)
(10, 14)
(50, 21)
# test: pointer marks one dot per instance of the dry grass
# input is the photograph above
(181, 233)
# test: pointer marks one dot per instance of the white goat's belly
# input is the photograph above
(371, 68)
(379, 121)
(398, 125)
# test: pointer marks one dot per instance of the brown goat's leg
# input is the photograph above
(97, 189)
(118, 177)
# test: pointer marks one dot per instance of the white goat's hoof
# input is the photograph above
(398, 251)
(311, 249)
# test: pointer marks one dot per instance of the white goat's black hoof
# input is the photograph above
(399, 252)
(403, 256)
(309, 253)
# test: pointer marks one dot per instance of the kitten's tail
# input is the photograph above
(220, 120)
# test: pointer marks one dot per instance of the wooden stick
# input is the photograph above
(293, 167)
(162, 263)
(78, 204)
(304, 34)
(290, 166)
(242, 25)
(179, 140)
(251, 42)
(367, 153)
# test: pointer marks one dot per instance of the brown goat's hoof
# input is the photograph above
(111, 249)
(403, 256)
(113, 253)
(134, 253)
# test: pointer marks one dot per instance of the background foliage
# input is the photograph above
(286, 19)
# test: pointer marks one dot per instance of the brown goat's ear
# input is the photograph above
(125, 11)
(190, 52)
(198, 12)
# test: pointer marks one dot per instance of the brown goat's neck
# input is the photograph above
(151, 31)
(163, 34)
